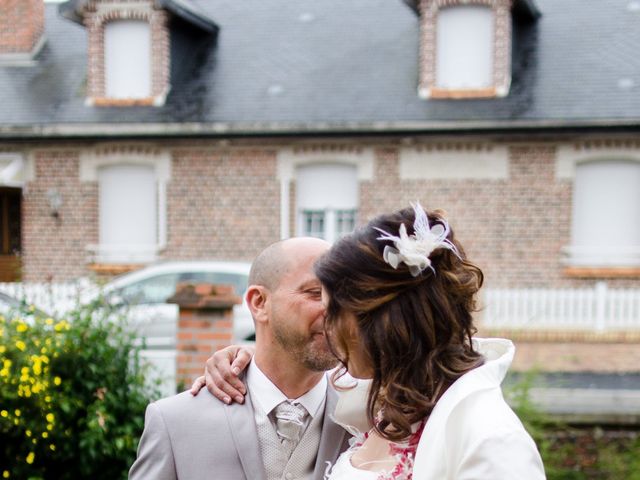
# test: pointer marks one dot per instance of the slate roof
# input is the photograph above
(339, 66)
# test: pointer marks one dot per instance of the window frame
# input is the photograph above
(90, 163)
(501, 50)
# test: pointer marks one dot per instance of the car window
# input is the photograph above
(157, 289)
(151, 290)
(238, 280)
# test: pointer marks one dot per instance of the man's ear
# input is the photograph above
(257, 301)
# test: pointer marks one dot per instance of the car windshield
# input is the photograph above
(157, 289)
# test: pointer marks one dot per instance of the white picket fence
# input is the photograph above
(595, 309)
(52, 298)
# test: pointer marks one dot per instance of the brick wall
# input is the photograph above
(224, 203)
(54, 247)
(21, 25)
(513, 228)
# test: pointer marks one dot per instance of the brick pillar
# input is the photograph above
(205, 324)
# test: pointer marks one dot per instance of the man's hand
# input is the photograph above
(221, 375)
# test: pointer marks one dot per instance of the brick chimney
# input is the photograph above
(205, 324)
(21, 27)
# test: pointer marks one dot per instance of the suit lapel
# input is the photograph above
(245, 436)
(334, 438)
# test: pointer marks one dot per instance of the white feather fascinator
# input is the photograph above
(414, 250)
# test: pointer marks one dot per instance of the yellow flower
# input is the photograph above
(52, 447)
(2, 348)
(20, 345)
(57, 380)
(62, 325)
(28, 433)
(6, 474)
(49, 426)
(50, 417)
(47, 398)
(4, 413)
(43, 350)
(17, 412)
(7, 363)
(31, 457)
(24, 370)
(22, 327)
(45, 434)
(49, 321)
(4, 372)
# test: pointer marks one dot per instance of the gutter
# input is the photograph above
(220, 129)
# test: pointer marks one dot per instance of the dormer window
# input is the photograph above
(127, 59)
(465, 46)
(130, 45)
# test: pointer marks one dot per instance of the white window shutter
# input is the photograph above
(606, 214)
(127, 59)
(128, 213)
(464, 47)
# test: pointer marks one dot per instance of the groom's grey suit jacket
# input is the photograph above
(193, 438)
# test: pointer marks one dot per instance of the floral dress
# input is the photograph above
(404, 453)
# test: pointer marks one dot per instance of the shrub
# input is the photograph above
(576, 453)
(72, 396)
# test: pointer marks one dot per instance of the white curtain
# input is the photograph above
(326, 199)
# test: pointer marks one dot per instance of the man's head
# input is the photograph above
(284, 297)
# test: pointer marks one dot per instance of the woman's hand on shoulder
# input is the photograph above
(222, 372)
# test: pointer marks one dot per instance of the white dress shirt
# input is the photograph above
(267, 396)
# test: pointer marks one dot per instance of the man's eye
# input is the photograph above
(315, 293)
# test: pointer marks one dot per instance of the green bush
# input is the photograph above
(72, 396)
(573, 453)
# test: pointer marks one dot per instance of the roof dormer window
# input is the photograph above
(130, 45)
(127, 59)
(465, 46)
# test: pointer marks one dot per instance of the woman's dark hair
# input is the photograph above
(416, 331)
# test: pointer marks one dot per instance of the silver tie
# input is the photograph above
(290, 424)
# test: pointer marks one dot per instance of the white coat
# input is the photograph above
(471, 434)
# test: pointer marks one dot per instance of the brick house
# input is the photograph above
(143, 130)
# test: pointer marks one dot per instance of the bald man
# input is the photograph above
(283, 430)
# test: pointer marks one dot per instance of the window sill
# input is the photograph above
(109, 269)
(444, 93)
(122, 102)
(602, 272)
